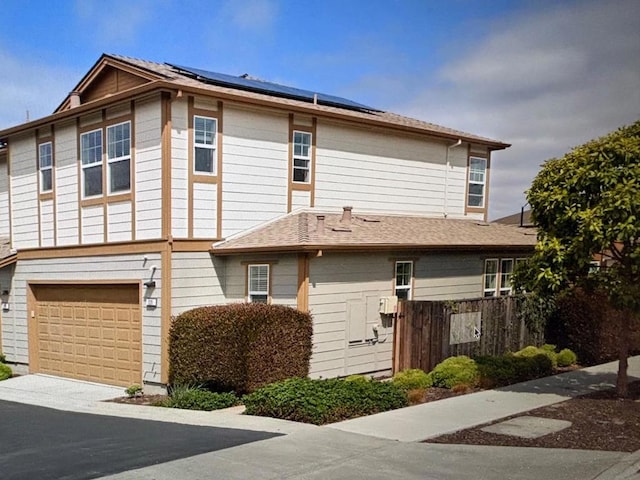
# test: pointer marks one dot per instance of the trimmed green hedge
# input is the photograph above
(194, 398)
(452, 371)
(323, 401)
(411, 379)
(239, 347)
(507, 369)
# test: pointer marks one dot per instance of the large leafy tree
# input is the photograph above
(586, 203)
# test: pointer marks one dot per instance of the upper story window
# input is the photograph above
(404, 277)
(91, 158)
(301, 157)
(477, 182)
(204, 144)
(258, 283)
(119, 157)
(45, 165)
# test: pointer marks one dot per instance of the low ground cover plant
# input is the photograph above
(5, 371)
(191, 397)
(323, 401)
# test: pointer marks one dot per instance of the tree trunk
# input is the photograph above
(622, 382)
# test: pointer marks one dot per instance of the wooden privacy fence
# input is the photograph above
(427, 332)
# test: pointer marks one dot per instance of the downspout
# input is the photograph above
(446, 177)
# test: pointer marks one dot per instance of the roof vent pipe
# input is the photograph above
(346, 215)
(320, 226)
(74, 99)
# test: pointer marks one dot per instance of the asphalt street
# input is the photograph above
(42, 443)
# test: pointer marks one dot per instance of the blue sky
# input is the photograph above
(542, 75)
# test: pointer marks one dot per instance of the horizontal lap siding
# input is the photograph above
(284, 279)
(179, 169)
(24, 192)
(448, 277)
(255, 163)
(111, 268)
(4, 196)
(335, 280)
(379, 172)
(148, 165)
(119, 215)
(204, 210)
(8, 346)
(93, 224)
(66, 184)
(46, 223)
(196, 281)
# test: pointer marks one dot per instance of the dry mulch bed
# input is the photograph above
(600, 421)
(141, 399)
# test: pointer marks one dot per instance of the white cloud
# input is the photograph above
(23, 88)
(251, 14)
(543, 81)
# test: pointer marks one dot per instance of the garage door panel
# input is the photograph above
(90, 332)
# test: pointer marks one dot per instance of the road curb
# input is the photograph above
(626, 469)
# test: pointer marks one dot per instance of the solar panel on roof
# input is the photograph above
(260, 86)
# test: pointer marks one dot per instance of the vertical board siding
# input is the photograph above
(148, 170)
(90, 269)
(46, 224)
(423, 331)
(204, 210)
(93, 224)
(334, 281)
(119, 216)
(24, 192)
(379, 172)
(255, 168)
(179, 169)
(196, 281)
(66, 184)
(4, 196)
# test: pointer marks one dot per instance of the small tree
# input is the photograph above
(588, 203)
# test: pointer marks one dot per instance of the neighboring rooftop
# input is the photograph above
(522, 219)
(306, 231)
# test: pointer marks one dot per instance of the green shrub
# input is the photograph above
(133, 390)
(5, 371)
(453, 371)
(239, 347)
(189, 397)
(411, 379)
(357, 378)
(532, 351)
(323, 401)
(566, 358)
(548, 348)
(502, 370)
(3, 359)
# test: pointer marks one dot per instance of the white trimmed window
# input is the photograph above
(91, 159)
(490, 280)
(119, 157)
(45, 164)
(258, 283)
(477, 180)
(301, 157)
(506, 270)
(404, 277)
(204, 145)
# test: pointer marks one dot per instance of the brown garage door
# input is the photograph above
(89, 332)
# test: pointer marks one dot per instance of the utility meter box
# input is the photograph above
(388, 305)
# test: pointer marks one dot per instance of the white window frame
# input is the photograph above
(399, 284)
(211, 147)
(486, 290)
(111, 161)
(301, 157)
(477, 177)
(505, 277)
(86, 165)
(45, 169)
(252, 293)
